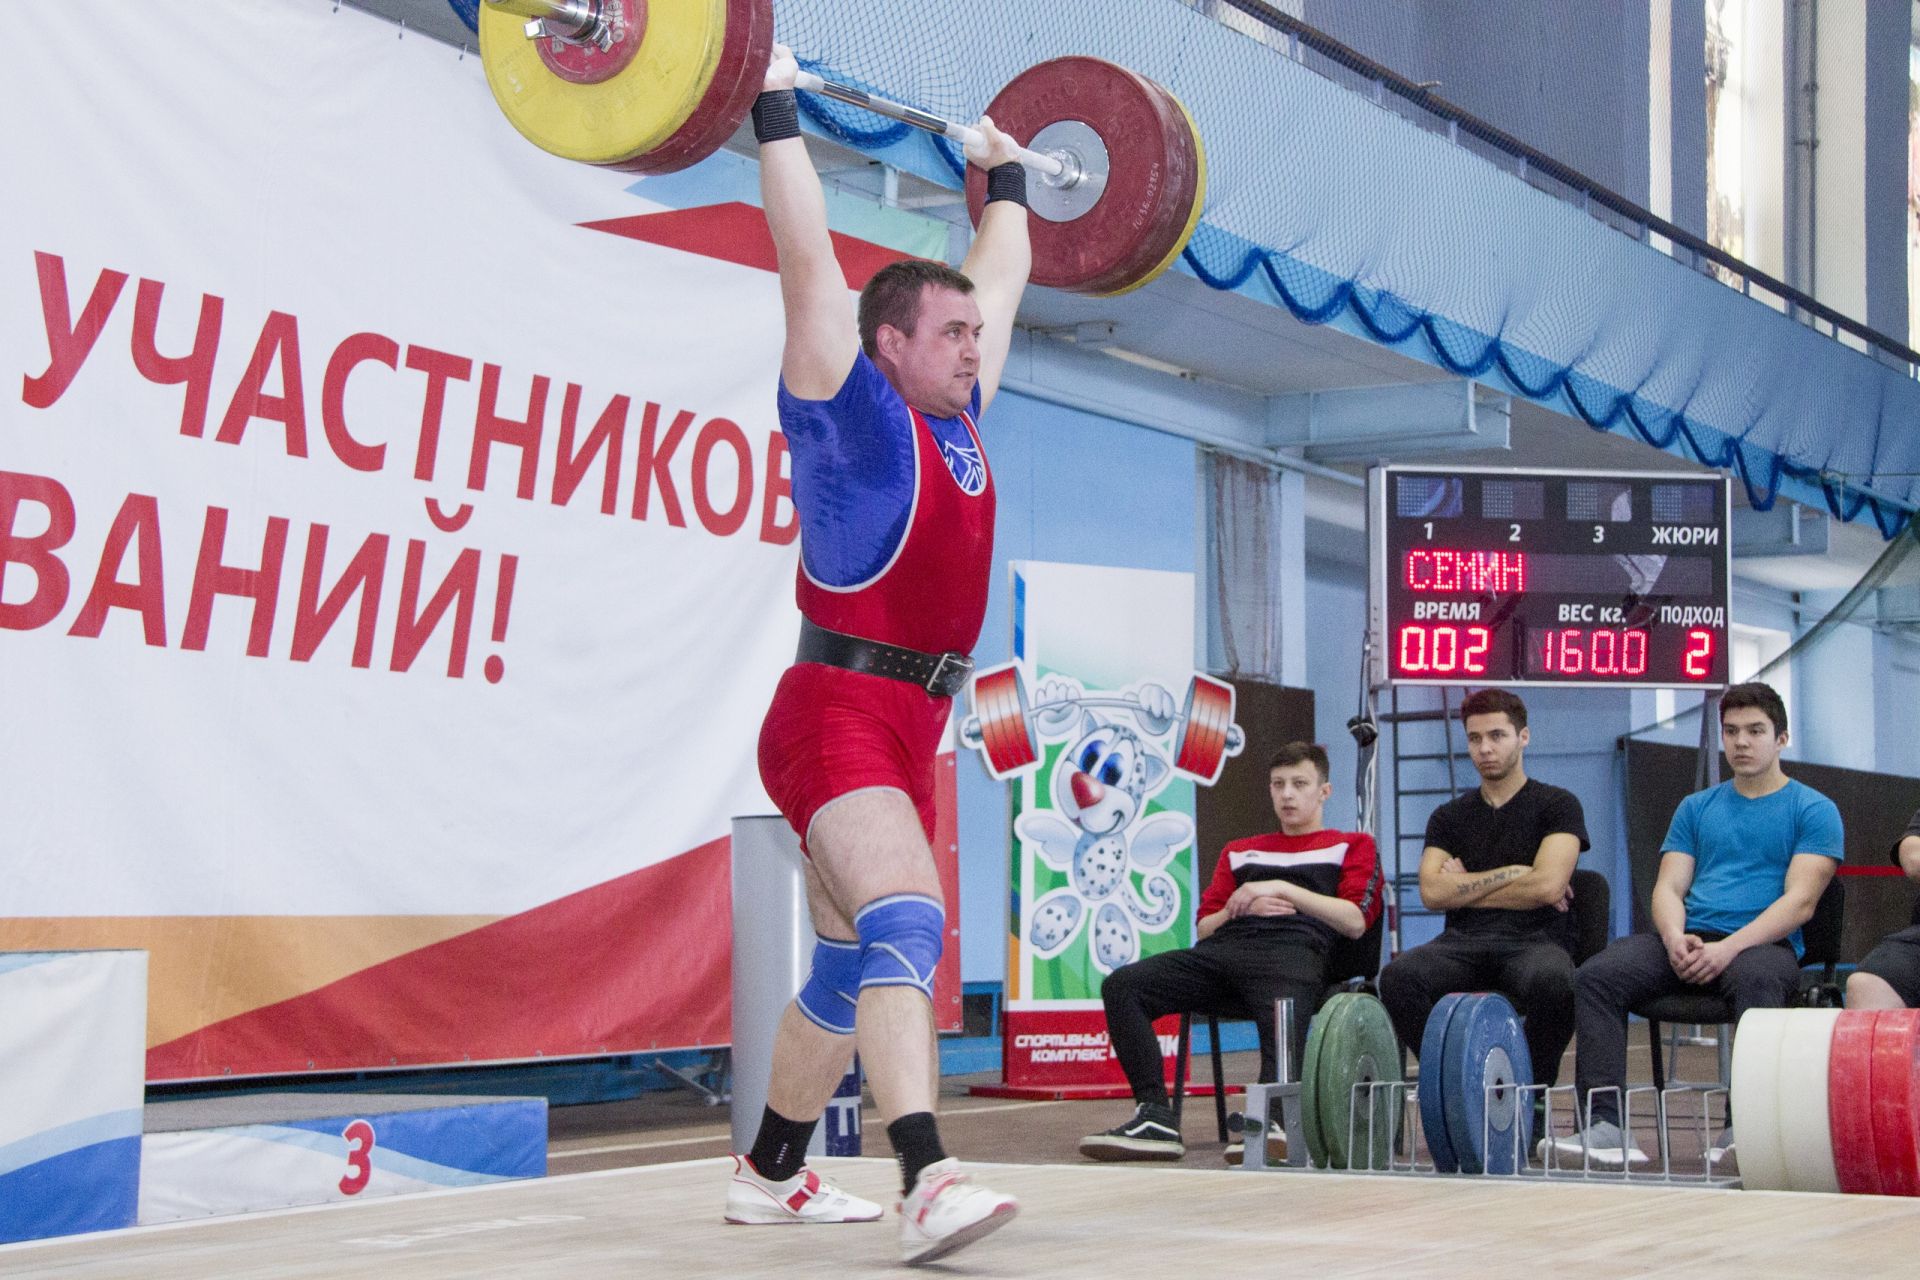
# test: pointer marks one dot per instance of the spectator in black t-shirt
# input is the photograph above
(1499, 861)
(1889, 978)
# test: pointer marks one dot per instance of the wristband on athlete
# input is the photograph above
(776, 116)
(1008, 182)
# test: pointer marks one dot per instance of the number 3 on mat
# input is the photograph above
(359, 1136)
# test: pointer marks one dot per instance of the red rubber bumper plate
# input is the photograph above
(1155, 175)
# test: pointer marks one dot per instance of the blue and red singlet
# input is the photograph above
(896, 543)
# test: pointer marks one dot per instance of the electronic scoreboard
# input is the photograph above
(1521, 577)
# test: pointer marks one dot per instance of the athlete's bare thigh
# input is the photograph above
(865, 845)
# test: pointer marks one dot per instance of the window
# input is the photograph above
(1726, 131)
(1751, 648)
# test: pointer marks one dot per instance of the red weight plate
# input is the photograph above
(1218, 701)
(1151, 178)
(1850, 1103)
(1000, 697)
(1896, 1100)
(1197, 733)
(1180, 208)
(589, 64)
(1163, 232)
(989, 705)
(1008, 750)
(1009, 723)
(1203, 742)
(729, 95)
(1181, 178)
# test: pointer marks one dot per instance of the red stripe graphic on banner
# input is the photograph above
(737, 232)
(638, 962)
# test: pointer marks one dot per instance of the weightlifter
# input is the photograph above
(1267, 922)
(1499, 861)
(1889, 978)
(880, 411)
(1741, 869)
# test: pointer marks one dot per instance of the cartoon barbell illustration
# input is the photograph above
(1002, 726)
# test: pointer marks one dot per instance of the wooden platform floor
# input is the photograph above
(663, 1220)
(635, 1189)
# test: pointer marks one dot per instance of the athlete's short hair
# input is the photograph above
(893, 296)
(1490, 702)
(1302, 753)
(1759, 696)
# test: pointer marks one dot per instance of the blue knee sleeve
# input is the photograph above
(833, 986)
(901, 938)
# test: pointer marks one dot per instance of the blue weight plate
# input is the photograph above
(1433, 1083)
(1490, 1133)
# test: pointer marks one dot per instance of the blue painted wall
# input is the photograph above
(1079, 489)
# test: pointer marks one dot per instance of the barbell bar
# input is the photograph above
(653, 86)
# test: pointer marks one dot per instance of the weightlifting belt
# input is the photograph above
(943, 675)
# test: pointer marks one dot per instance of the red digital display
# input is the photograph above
(1605, 652)
(1520, 576)
(1698, 661)
(1445, 569)
(1439, 650)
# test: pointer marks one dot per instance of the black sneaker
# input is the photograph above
(1150, 1135)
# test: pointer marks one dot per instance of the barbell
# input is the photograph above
(652, 86)
(1001, 727)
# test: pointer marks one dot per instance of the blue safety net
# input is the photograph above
(1332, 202)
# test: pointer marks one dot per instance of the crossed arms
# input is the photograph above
(1446, 885)
(1284, 898)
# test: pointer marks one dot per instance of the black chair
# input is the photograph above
(1821, 939)
(1592, 915)
(1352, 965)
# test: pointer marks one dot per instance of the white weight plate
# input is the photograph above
(1804, 1133)
(1757, 1101)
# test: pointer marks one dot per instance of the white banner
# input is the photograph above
(385, 555)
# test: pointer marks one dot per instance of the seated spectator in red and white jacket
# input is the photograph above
(1267, 923)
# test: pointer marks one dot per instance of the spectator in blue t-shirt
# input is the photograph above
(1741, 869)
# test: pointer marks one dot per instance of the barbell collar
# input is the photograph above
(572, 21)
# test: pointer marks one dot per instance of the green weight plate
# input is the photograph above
(1309, 1082)
(1358, 1048)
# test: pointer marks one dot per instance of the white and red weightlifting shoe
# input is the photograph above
(946, 1210)
(805, 1198)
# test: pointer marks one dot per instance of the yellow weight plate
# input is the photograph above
(623, 116)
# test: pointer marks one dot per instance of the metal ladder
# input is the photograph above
(1413, 746)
